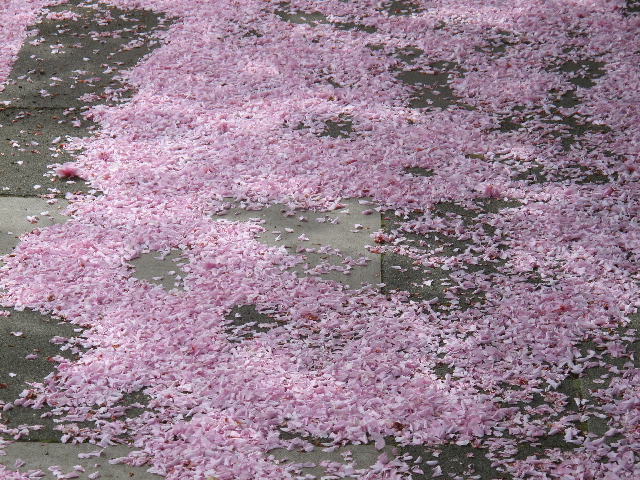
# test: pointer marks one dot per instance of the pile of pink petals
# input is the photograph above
(233, 104)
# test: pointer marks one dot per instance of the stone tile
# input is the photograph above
(313, 464)
(14, 222)
(326, 241)
(42, 456)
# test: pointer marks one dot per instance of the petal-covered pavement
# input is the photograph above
(327, 239)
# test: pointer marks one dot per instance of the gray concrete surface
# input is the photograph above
(19, 215)
(83, 459)
(31, 140)
(317, 461)
(332, 244)
(68, 66)
(164, 270)
(28, 355)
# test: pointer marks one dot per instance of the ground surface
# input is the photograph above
(336, 239)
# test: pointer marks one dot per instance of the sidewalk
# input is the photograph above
(495, 354)
(38, 113)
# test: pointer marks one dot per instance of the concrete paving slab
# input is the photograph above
(31, 139)
(432, 89)
(287, 14)
(316, 463)
(401, 273)
(30, 346)
(19, 215)
(453, 461)
(73, 62)
(154, 267)
(331, 244)
(598, 378)
(245, 321)
(83, 459)
(66, 67)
